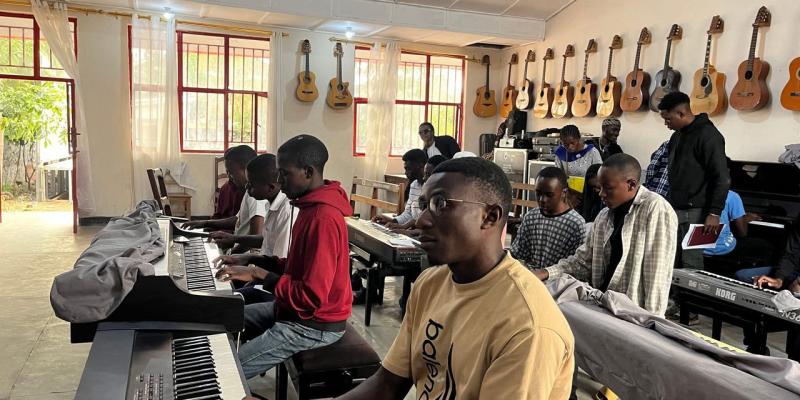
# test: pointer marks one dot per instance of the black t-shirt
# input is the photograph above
(618, 215)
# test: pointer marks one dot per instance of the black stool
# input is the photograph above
(328, 371)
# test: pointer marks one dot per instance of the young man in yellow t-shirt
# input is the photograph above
(482, 326)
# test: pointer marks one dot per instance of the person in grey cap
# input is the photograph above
(608, 141)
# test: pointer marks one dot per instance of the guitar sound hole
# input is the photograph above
(583, 89)
(541, 94)
(307, 80)
(561, 92)
(606, 89)
(704, 81)
(663, 83)
(748, 75)
(633, 83)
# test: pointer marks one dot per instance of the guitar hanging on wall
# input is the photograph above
(751, 92)
(306, 80)
(790, 96)
(586, 92)
(510, 92)
(339, 96)
(485, 104)
(565, 92)
(637, 83)
(610, 88)
(668, 80)
(544, 97)
(526, 93)
(708, 88)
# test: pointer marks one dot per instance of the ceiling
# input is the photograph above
(441, 22)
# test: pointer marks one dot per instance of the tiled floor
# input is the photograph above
(38, 362)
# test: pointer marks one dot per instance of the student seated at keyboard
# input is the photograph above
(553, 230)
(408, 228)
(230, 197)
(480, 325)
(631, 246)
(783, 276)
(414, 165)
(262, 184)
(311, 285)
(250, 218)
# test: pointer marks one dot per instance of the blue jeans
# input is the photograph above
(281, 340)
(747, 275)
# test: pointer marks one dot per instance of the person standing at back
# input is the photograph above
(607, 144)
(434, 145)
(574, 156)
(698, 172)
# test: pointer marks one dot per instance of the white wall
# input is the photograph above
(103, 59)
(758, 136)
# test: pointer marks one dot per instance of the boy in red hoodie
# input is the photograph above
(312, 285)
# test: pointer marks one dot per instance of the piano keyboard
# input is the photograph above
(204, 368)
(198, 259)
(730, 290)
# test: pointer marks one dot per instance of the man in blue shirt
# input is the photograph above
(732, 215)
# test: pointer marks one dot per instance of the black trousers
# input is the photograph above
(688, 258)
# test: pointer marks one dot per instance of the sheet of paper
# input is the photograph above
(401, 242)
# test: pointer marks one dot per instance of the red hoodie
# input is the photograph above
(315, 284)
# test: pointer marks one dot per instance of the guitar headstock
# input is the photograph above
(717, 25)
(514, 59)
(676, 32)
(531, 57)
(570, 51)
(548, 55)
(763, 18)
(306, 47)
(592, 46)
(645, 37)
(485, 60)
(337, 50)
(616, 43)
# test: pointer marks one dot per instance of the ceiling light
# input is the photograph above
(167, 14)
(349, 33)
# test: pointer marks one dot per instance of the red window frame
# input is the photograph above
(226, 92)
(426, 103)
(37, 69)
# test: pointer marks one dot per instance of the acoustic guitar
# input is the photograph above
(485, 104)
(544, 97)
(708, 87)
(585, 92)
(510, 92)
(610, 87)
(637, 83)
(526, 93)
(790, 96)
(339, 96)
(668, 80)
(306, 80)
(563, 102)
(751, 92)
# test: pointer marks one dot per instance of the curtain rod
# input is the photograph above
(413, 51)
(89, 10)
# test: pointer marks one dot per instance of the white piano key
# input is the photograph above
(225, 360)
(212, 252)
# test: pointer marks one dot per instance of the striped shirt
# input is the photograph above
(543, 240)
(649, 240)
(412, 208)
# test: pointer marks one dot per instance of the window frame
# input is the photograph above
(426, 103)
(37, 75)
(226, 92)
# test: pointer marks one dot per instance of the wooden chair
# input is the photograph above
(220, 177)
(159, 188)
(373, 201)
(520, 203)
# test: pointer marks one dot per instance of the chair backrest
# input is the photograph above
(159, 188)
(524, 198)
(220, 177)
(373, 201)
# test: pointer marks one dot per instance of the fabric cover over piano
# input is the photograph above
(640, 355)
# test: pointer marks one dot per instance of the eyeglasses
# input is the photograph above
(438, 203)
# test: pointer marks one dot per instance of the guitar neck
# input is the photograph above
(487, 77)
(610, 58)
(525, 72)
(585, 66)
(509, 75)
(339, 68)
(544, 72)
(638, 53)
(563, 69)
(752, 55)
(308, 66)
(666, 56)
(708, 55)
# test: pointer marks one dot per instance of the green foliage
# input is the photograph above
(32, 111)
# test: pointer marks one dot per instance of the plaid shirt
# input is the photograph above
(649, 238)
(656, 176)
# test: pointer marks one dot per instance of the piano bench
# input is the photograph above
(328, 371)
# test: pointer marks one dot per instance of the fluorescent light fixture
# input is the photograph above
(167, 14)
(349, 33)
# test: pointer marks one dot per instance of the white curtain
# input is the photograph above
(53, 20)
(277, 94)
(154, 103)
(382, 93)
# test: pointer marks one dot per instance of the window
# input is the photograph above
(429, 88)
(24, 52)
(222, 91)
